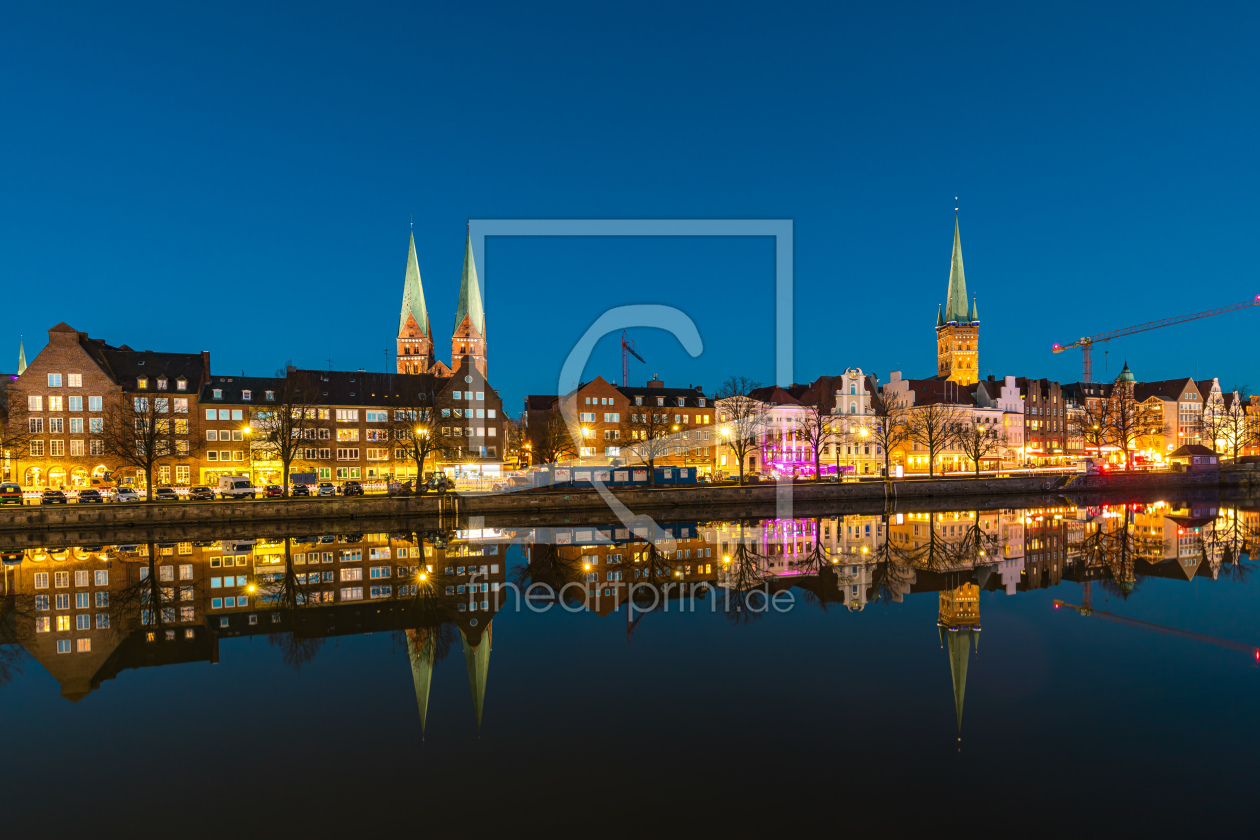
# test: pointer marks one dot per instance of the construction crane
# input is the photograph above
(1161, 629)
(627, 347)
(1086, 344)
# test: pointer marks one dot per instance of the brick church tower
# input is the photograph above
(415, 339)
(469, 339)
(957, 330)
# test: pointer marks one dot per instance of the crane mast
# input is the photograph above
(627, 347)
(1086, 344)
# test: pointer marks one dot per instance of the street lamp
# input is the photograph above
(249, 448)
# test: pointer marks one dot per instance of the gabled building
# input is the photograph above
(66, 395)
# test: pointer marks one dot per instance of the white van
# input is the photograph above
(236, 487)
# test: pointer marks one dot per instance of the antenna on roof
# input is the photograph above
(330, 362)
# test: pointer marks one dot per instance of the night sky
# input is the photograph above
(240, 178)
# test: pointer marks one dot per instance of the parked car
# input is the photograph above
(273, 491)
(352, 488)
(10, 494)
(327, 488)
(53, 497)
(201, 494)
(90, 496)
(299, 490)
(126, 494)
(165, 494)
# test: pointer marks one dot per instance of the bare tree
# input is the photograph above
(742, 418)
(813, 425)
(978, 441)
(513, 438)
(1131, 420)
(1093, 424)
(549, 438)
(283, 431)
(889, 424)
(1230, 430)
(16, 429)
(140, 431)
(649, 436)
(936, 427)
(415, 431)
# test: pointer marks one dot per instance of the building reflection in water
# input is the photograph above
(88, 613)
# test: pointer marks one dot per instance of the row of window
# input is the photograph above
(35, 402)
(82, 601)
(57, 425)
(82, 577)
(43, 624)
(246, 395)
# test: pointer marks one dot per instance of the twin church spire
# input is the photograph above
(415, 334)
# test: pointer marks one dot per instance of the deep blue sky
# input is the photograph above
(239, 178)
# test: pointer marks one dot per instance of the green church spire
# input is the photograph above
(470, 294)
(975, 313)
(478, 661)
(956, 300)
(413, 292)
(940, 322)
(21, 357)
(422, 652)
(958, 643)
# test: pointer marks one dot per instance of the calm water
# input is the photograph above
(903, 672)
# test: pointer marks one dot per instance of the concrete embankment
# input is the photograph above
(262, 513)
(127, 523)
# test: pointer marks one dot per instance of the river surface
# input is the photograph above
(1085, 670)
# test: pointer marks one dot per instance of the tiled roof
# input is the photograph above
(1167, 389)
(232, 386)
(347, 387)
(539, 402)
(126, 366)
(689, 395)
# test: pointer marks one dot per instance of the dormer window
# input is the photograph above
(161, 383)
(142, 383)
(681, 402)
(218, 393)
(638, 400)
(181, 384)
(271, 396)
(702, 403)
(247, 395)
(660, 401)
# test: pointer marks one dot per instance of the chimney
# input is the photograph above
(655, 382)
(290, 368)
(205, 368)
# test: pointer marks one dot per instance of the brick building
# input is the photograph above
(689, 414)
(67, 393)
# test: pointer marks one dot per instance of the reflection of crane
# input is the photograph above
(1086, 344)
(1159, 628)
(627, 347)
